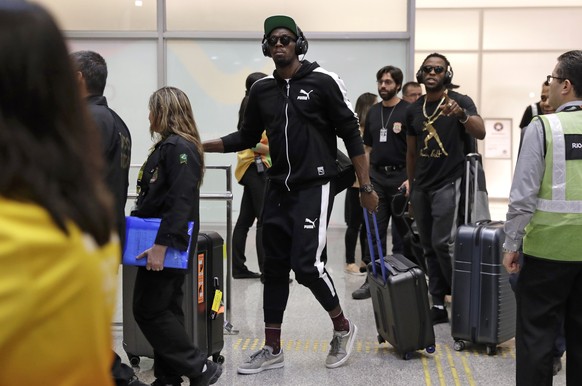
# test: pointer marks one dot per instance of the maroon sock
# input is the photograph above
(273, 338)
(340, 323)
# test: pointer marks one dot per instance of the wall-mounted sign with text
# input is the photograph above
(498, 138)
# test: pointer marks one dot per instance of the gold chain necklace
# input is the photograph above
(433, 118)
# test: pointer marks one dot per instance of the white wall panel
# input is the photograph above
(314, 16)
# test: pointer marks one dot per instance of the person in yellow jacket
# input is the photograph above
(545, 217)
(250, 172)
(59, 250)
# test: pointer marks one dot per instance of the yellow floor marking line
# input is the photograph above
(437, 361)
(426, 371)
(468, 371)
(324, 346)
(315, 345)
(452, 366)
(255, 344)
(359, 346)
(290, 345)
(298, 345)
(236, 344)
(246, 343)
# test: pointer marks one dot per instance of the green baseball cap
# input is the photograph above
(280, 21)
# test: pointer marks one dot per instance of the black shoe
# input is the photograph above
(439, 315)
(363, 292)
(134, 381)
(246, 275)
(557, 365)
(209, 377)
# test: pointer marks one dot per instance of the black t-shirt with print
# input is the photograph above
(440, 155)
(392, 150)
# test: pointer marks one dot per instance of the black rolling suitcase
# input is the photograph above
(400, 300)
(483, 304)
(204, 325)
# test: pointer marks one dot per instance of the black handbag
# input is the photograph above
(346, 174)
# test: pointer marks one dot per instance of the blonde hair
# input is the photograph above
(171, 113)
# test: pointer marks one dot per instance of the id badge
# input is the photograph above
(383, 134)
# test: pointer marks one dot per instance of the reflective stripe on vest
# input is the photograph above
(558, 202)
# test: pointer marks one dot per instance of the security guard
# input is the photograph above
(545, 211)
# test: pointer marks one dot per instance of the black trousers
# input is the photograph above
(295, 237)
(250, 208)
(354, 217)
(548, 292)
(386, 184)
(157, 307)
(436, 218)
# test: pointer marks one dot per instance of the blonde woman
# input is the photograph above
(168, 188)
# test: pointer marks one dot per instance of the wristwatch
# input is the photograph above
(367, 188)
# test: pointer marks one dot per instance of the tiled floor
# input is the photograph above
(307, 331)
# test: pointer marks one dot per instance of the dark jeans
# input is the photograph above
(250, 208)
(354, 217)
(386, 185)
(157, 307)
(436, 218)
(548, 292)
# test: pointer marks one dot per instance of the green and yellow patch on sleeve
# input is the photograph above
(183, 158)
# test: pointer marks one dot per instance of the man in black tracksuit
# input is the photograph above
(304, 109)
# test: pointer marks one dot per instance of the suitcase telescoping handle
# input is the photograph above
(473, 159)
(383, 266)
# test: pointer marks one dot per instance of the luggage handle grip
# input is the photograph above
(383, 266)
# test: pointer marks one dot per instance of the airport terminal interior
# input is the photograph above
(501, 52)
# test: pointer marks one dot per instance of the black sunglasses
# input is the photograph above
(437, 69)
(284, 39)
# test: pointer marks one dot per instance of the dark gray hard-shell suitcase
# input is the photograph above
(205, 327)
(483, 304)
(400, 301)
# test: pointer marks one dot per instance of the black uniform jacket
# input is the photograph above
(168, 188)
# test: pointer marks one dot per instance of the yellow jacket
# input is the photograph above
(57, 296)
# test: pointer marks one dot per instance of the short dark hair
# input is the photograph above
(394, 72)
(570, 67)
(94, 70)
(440, 56)
(407, 85)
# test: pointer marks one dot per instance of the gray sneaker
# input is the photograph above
(264, 359)
(341, 347)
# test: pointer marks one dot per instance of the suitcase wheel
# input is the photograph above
(491, 349)
(406, 356)
(133, 359)
(380, 339)
(217, 358)
(430, 349)
(459, 345)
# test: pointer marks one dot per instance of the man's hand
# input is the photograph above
(369, 201)
(511, 262)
